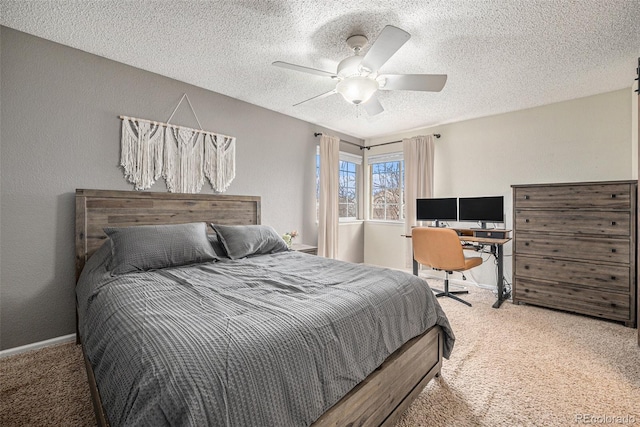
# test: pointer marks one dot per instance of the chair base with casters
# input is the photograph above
(451, 294)
(440, 249)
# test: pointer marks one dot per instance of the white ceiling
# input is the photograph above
(500, 55)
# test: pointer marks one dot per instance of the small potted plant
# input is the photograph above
(289, 236)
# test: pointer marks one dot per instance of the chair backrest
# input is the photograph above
(437, 248)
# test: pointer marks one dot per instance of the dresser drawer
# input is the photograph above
(594, 196)
(613, 223)
(577, 248)
(608, 278)
(573, 298)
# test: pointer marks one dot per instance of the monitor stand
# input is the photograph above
(483, 226)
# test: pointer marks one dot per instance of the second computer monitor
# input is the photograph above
(441, 209)
(481, 209)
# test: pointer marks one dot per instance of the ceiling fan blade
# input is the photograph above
(322, 95)
(304, 69)
(388, 42)
(425, 82)
(373, 106)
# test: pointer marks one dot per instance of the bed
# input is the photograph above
(137, 374)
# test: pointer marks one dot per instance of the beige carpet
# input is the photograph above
(529, 366)
(46, 387)
(516, 366)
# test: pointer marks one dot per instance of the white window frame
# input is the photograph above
(351, 158)
(384, 158)
(357, 160)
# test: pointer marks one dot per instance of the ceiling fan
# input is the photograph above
(358, 76)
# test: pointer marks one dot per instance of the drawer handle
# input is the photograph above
(526, 267)
(613, 223)
(526, 243)
(526, 197)
(613, 196)
(526, 220)
(613, 277)
(613, 250)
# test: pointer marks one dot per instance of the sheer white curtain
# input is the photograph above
(328, 204)
(418, 179)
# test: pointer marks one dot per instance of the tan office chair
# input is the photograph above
(440, 248)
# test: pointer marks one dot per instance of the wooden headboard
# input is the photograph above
(96, 209)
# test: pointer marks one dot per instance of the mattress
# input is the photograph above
(270, 340)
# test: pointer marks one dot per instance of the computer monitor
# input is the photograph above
(482, 209)
(442, 209)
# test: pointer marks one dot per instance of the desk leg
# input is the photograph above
(415, 267)
(497, 250)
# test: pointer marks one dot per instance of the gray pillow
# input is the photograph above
(217, 245)
(146, 247)
(244, 240)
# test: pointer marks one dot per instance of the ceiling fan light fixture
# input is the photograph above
(349, 67)
(359, 76)
(357, 89)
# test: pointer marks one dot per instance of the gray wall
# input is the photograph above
(60, 132)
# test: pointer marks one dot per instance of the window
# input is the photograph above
(387, 187)
(347, 191)
(347, 185)
(317, 183)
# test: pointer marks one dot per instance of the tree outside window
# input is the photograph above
(347, 189)
(317, 186)
(387, 191)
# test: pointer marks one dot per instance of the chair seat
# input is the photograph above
(471, 262)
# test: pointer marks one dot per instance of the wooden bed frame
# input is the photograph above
(378, 400)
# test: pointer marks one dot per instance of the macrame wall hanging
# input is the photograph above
(183, 156)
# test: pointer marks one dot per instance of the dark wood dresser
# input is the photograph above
(575, 248)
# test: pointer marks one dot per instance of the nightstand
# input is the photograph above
(307, 249)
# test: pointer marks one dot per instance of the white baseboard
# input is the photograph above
(36, 345)
(471, 281)
(427, 273)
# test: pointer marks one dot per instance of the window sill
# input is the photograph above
(350, 221)
(383, 222)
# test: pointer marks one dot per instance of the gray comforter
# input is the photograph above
(273, 340)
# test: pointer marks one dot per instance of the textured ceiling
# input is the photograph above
(500, 55)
